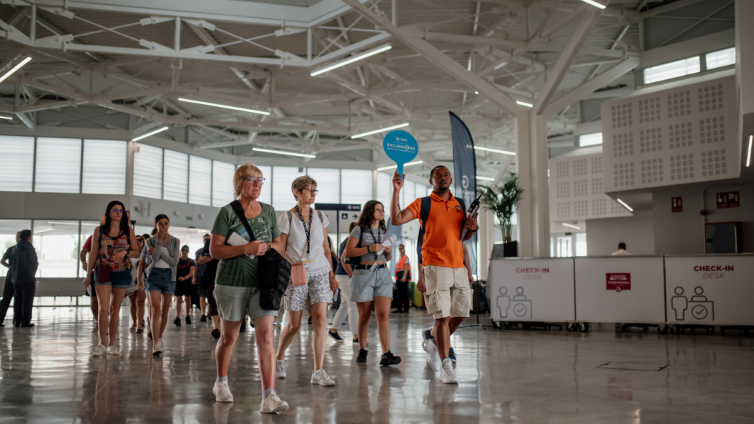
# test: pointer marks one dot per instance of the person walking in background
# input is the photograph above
(402, 277)
(8, 288)
(343, 275)
(201, 265)
(113, 243)
(25, 264)
(184, 285)
(93, 304)
(138, 297)
(621, 250)
(207, 285)
(237, 287)
(305, 241)
(162, 251)
(372, 288)
(446, 288)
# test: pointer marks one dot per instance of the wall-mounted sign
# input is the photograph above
(677, 203)
(618, 281)
(727, 200)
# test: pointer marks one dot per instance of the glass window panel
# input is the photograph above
(357, 186)
(87, 230)
(222, 183)
(409, 193)
(16, 163)
(200, 181)
(176, 176)
(8, 230)
(282, 197)
(580, 244)
(56, 243)
(266, 195)
(328, 184)
(148, 172)
(721, 58)
(590, 139)
(58, 168)
(421, 190)
(384, 188)
(191, 237)
(104, 167)
(670, 70)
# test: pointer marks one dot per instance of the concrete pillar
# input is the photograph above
(540, 185)
(524, 172)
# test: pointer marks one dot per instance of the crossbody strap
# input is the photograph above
(238, 209)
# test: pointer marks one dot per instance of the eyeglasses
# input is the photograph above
(255, 180)
(140, 240)
(311, 191)
(117, 210)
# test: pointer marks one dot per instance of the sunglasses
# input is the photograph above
(140, 240)
(117, 210)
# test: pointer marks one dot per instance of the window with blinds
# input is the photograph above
(282, 197)
(384, 188)
(357, 187)
(328, 184)
(222, 183)
(104, 167)
(200, 180)
(148, 172)
(408, 192)
(266, 195)
(175, 176)
(16, 163)
(421, 190)
(58, 167)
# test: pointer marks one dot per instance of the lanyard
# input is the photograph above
(377, 239)
(306, 230)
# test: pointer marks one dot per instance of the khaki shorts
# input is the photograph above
(448, 291)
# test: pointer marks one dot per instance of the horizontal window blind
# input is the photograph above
(148, 172)
(104, 167)
(175, 177)
(58, 167)
(266, 195)
(282, 197)
(357, 186)
(16, 163)
(200, 181)
(222, 183)
(328, 184)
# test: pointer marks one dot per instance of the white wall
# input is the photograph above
(678, 232)
(603, 235)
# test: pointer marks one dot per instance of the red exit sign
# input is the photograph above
(727, 200)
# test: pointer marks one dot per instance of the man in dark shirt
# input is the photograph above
(201, 266)
(25, 264)
(8, 289)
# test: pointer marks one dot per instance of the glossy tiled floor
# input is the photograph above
(510, 376)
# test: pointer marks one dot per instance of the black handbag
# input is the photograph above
(273, 270)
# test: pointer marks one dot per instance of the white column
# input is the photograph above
(523, 170)
(540, 186)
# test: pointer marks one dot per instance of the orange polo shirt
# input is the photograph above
(442, 232)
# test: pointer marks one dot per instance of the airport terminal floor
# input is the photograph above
(511, 376)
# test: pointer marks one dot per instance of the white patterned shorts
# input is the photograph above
(316, 290)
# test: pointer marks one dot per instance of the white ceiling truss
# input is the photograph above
(476, 58)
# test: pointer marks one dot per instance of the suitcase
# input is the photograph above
(416, 296)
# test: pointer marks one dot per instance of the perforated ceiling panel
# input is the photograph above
(576, 188)
(680, 135)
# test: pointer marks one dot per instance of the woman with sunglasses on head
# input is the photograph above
(138, 297)
(113, 243)
(237, 285)
(304, 235)
(372, 288)
(183, 285)
(160, 254)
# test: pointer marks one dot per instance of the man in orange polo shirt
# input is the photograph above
(447, 294)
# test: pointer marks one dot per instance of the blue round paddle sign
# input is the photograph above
(401, 147)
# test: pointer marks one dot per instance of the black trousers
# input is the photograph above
(402, 289)
(22, 304)
(8, 291)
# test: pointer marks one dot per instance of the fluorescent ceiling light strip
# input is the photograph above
(385, 168)
(240, 109)
(487, 149)
(748, 156)
(380, 130)
(524, 104)
(484, 178)
(6, 117)
(624, 205)
(570, 226)
(15, 68)
(594, 3)
(365, 55)
(278, 152)
(149, 134)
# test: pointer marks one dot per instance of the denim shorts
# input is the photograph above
(365, 284)
(159, 281)
(118, 280)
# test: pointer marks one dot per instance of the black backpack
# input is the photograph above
(355, 260)
(426, 206)
(273, 270)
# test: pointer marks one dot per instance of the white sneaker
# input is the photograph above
(157, 348)
(447, 375)
(99, 350)
(222, 392)
(280, 368)
(96, 327)
(112, 350)
(273, 405)
(320, 377)
(434, 360)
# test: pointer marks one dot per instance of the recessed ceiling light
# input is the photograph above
(10, 118)
(624, 205)
(15, 68)
(350, 60)
(524, 104)
(150, 134)
(570, 226)
(380, 130)
(240, 109)
(278, 152)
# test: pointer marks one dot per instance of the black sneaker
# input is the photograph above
(310, 321)
(452, 355)
(389, 359)
(427, 334)
(356, 341)
(243, 327)
(188, 320)
(362, 355)
(177, 321)
(335, 336)
(149, 334)
(216, 333)
(203, 318)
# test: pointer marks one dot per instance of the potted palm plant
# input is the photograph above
(503, 202)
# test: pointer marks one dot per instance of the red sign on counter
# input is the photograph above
(677, 204)
(618, 281)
